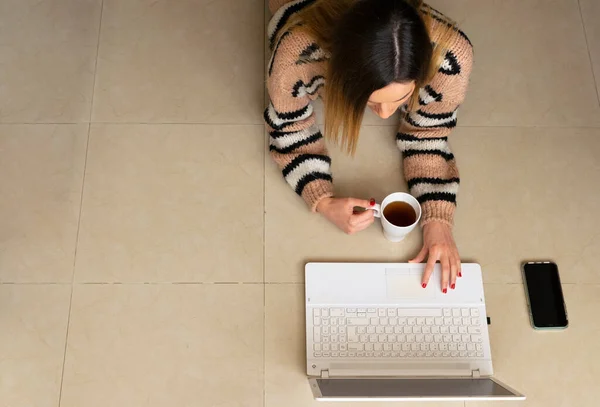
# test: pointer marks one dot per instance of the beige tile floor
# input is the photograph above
(151, 254)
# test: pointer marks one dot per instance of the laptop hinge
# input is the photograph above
(475, 374)
(325, 374)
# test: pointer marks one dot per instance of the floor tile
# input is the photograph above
(285, 352)
(47, 57)
(524, 73)
(190, 61)
(529, 194)
(41, 174)
(294, 235)
(552, 368)
(32, 343)
(173, 203)
(590, 10)
(165, 345)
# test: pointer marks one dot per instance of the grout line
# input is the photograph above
(62, 374)
(97, 57)
(587, 44)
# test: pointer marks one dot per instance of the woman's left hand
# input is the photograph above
(439, 245)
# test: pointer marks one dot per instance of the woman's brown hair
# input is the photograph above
(371, 44)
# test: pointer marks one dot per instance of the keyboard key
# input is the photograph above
(361, 314)
(379, 330)
(342, 330)
(333, 330)
(419, 338)
(443, 346)
(479, 354)
(447, 321)
(341, 321)
(383, 321)
(417, 329)
(325, 330)
(462, 346)
(325, 321)
(350, 309)
(470, 346)
(420, 321)
(453, 330)
(382, 338)
(476, 321)
(378, 346)
(336, 312)
(363, 338)
(462, 330)
(406, 346)
(352, 339)
(447, 312)
(414, 346)
(435, 329)
(373, 338)
(456, 321)
(325, 339)
(462, 354)
(437, 338)
(454, 354)
(316, 336)
(369, 346)
(402, 321)
(434, 346)
(343, 338)
(370, 329)
(472, 354)
(391, 338)
(407, 329)
(343, 346)
(394, 321)
(447, 338)
(398, 329)
(444, 329)
(357, 321)
(316, 321)
(437, 354)
(428, 338)
(355, 347)
(326, 354)
(317, 312)
(429, 320)
(361, 330)
(478, 346)
(474, 312)
(412, 321)
(476, 338)
(452, 346)
(465, 338)
(387, 354)
(318, 354)
(425, 312)
(387, 346)
(456, 338)
(424, 347)
(389, 329)
(361, 310)
(474, 330)
(325, 312)
(374, 321)
(438, 320)
(378, 354)
(466, 321)
(343, 354)
(455, 312)
(317, 346)
(326, 347)
(397, 346)
(371, 310)
(426, 329)
(465, 312)
(391, 312)
(333, 321)
(334, 338)
(381, 312)
(351, 354)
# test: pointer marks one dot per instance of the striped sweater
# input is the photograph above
(296, 76)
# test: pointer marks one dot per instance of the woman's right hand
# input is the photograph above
(340, 212)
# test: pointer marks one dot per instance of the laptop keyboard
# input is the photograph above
(397, 333)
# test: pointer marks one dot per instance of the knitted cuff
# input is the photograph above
(315, 191)
(439, 211)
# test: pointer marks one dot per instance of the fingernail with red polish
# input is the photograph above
(453, 286)
(424, 285)
(445, 290)
(372, 202)
(459, 274)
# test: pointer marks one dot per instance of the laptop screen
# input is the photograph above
(397, 387)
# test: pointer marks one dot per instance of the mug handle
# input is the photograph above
(376, 210)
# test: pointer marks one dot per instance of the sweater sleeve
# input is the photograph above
(295, 141)
(429, 165)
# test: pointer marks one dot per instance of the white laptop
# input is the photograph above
(373, 333)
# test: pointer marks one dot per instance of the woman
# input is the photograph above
(387, 55)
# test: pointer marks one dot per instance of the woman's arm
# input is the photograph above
(295, 141)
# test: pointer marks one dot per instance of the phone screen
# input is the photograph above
(545, 295)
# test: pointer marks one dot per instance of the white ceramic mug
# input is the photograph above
(392, 232)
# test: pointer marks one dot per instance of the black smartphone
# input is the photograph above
(544, 295)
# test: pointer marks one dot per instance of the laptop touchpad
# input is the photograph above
(403, 284)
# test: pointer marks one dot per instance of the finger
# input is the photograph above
(363, 203)
(428, 269)
(362, 226)
(453, 272)
(361, 217)
(459, 267)
(445, 272)
(420, 257)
